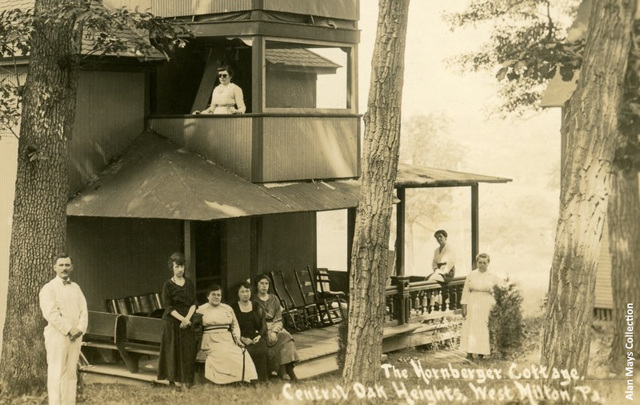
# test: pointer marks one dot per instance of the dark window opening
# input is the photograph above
(185, 83)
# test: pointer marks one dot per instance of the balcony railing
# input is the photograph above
(271, 147)
(409, 301)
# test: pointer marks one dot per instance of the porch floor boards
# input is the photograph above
(316, 347)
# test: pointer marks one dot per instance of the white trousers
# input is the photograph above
(62, 365)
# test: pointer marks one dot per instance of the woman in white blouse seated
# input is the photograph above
(444, 259)
(227, 360)
(227, 97)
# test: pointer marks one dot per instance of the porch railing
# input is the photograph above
(411, 298)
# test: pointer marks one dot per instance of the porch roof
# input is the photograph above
(156, 178)
(412, 176)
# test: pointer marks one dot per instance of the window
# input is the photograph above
(307, 76)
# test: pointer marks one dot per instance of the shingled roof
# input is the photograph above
(88, 41)
(301, 58)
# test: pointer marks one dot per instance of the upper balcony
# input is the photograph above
(343, 9)
(301, 120)
(265, 148)
(334, 20)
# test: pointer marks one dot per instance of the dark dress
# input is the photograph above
(253, 324)
(178, 348)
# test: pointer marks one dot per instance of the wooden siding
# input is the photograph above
(236, 253)
(225, 141)
(170, 8)
(295, 148)
(341, 9)
(286, 148)
(116, 257)
(109, 115)
(286, 242)
(604, 294)
(143, 5)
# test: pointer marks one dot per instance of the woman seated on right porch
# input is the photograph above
(282, 350)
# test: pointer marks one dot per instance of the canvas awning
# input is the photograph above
(413, 176)
(156, 178)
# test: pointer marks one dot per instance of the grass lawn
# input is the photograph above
(446, 377)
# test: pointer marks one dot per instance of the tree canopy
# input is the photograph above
(528, 45)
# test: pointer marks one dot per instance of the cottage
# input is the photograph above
(238, 194)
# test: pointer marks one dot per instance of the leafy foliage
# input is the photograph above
(528, 46)
(506, 325)
(105, 32)
(425, 143)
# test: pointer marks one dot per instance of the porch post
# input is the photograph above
(400, 222)
(351, 228)
(257, 83)
(189, 250)
(475, 224)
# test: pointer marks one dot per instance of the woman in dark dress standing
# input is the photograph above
(253, 329)
(178, 348)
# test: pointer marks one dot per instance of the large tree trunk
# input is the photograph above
(624, 237)
(623, 214)
(380, 165)
(590, 127)
(39, 219)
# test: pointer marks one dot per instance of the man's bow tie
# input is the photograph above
(67, 281)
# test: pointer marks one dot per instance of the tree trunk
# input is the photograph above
(380, 165)
(590, 127)
(39, 219)
(624, 237)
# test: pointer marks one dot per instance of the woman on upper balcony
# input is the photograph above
(227, 97)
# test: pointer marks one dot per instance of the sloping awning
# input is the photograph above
(300, 59)
(411, 176)
(156, 178)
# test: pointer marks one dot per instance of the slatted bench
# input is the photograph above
(143, 335)
(103, 330)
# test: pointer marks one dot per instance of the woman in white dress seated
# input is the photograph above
(477, 301)
(227, 360)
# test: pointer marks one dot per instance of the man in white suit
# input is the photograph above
(65, 308)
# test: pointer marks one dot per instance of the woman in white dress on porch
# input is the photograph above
(477, 301)
(227, 360)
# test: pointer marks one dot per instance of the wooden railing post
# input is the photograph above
(404, 298)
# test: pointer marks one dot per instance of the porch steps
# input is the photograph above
(119, 374)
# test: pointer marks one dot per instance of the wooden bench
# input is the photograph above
(104, 331)
(131, 335)
(143, 335)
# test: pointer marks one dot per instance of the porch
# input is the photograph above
(418, 313)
